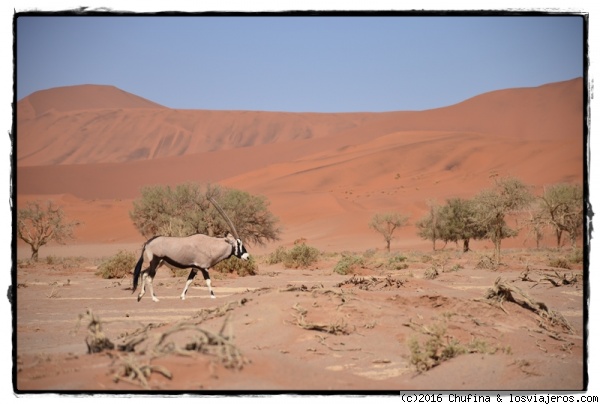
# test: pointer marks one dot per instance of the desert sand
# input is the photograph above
(92, 148)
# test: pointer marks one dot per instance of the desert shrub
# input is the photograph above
(426, 258)
(435, 349)
(277, 256)
(240, 267)
(348, 263)
(64, 262)
(117, 266)
(397, 262)
(576, 256)
(301, 256)
(440, 347)
(559, 262)
(486, 262)
(431, 273)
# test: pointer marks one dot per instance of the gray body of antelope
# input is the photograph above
(198, 252)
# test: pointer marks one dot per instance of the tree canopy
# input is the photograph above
(186, 209)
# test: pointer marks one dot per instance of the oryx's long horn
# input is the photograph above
(222, 212)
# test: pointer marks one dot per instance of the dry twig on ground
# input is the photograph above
(502, 291)
(96, 341)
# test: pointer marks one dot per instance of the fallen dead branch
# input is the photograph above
(372, 283)
(322, 342)
(502, 291)
(157, 344)
(557, 279)
(131, 372)
(220, 311)
(96, 341)
(336, 328)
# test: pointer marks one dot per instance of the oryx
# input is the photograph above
(198, 252)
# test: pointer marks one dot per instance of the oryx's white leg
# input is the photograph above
(208, 282)
(143, 289)
(148, 276)
(189, 281)
(154, 298)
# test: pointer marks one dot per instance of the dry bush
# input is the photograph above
(240, 267)
(439, 347)
(299, 256)
(118, 266)
(348, 264)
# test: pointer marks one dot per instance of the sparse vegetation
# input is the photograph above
(118, 266)
(348, 264)
(240, 267)
(440, 347)
(299, 256)
(561, 208)
(186, 210)
(386, 224)
(39, 223)
(396, 262)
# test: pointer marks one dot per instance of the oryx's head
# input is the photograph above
(238, 247)
(240, 251)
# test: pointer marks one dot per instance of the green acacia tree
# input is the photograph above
(38, 223)
(428, 226)
(492, 206)
(457, 222)
(561, 207)
(186, 209)
(386, 224)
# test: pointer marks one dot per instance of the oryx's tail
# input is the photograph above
(138, 269)
(138, 266)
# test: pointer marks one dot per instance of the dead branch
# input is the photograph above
(96, 341)
(557, 279)
(339, 327)
(131, 372)
(502, 291)
(372, 283)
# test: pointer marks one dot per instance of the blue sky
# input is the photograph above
(299, 64)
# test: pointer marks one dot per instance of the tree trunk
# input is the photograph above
(466, 245)
(558, 237)
(34, 253)
(388, 245)
(497, 251)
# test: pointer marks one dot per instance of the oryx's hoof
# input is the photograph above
(182, 297)
(139, 298)
(155, 299)
(213, 297)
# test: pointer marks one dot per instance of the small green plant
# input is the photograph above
(348, 263)
(118, 266)
(240, 267)
(559, 262)
(440, 347)
(277, 256)
(299, 256)
(576, 256)
(397, 262)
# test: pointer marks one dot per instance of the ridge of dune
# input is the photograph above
(102, 124)
(82, 97)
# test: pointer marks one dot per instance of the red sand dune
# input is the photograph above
(324, 174)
